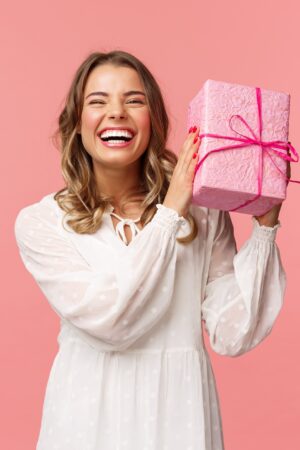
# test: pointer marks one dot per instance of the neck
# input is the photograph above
(119, 183)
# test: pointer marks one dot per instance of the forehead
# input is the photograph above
(111, 78)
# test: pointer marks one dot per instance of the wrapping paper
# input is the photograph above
(228, 179)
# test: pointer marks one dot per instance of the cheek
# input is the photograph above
(144, 122)
(89, 119)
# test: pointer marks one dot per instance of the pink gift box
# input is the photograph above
(227, 179)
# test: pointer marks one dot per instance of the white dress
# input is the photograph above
(132, 371)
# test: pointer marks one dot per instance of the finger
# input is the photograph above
(288, 168)
(194, 158)
(190, 174)
(189, 140)
(184, 148)
(190, 147)
(193, 147)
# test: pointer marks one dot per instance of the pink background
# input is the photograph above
(183, 44)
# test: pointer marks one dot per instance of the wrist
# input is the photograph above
(172, 206)
(266, 222)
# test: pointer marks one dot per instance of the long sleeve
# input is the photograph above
(245, 289)
(117, 306)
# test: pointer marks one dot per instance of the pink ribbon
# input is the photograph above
(266, 148)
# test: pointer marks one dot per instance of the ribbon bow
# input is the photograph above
(278, 147)
(120, 227)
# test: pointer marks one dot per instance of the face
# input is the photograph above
(114, 107)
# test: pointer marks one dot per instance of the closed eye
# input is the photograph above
(96, 101)
(102, 103)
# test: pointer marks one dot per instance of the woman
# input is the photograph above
(132, 267)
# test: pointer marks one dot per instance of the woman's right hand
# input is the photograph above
(180, 191)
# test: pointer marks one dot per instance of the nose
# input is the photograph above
(116, 110)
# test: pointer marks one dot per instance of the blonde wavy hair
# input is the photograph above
(80, 198)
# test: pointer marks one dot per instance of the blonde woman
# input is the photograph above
(132, 267)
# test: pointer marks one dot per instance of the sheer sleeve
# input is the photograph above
(245, 289)
(115, 306)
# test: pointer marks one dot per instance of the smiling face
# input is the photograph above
(116, 106)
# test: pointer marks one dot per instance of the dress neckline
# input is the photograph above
(119, 230)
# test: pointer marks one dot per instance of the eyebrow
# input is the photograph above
(126, 94)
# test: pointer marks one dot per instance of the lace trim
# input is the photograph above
(264, 233)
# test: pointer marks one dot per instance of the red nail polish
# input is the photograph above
(190, 130)
(194, 129)
(196, 139)
(194, 155)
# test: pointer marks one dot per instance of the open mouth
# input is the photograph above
(116, 139)
(116, 136)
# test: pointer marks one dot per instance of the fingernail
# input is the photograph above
(191, 129)
(194, 155)
(194, 129)
(196, 139)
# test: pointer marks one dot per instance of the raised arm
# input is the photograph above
(245, 289)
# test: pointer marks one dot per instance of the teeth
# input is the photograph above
(119, 133)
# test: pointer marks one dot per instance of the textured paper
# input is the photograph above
(229, 178)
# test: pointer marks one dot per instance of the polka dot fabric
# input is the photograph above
(132, 371)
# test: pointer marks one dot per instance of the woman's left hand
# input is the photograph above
(270, 218)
